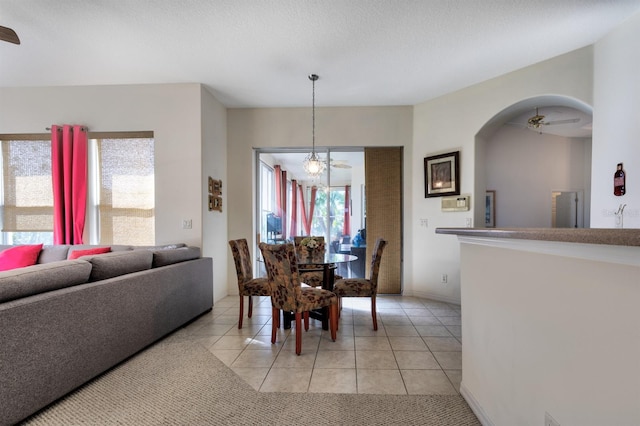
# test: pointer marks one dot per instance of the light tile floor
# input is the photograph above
(416, 350)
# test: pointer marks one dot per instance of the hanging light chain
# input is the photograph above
(313, 78)
(312, 163)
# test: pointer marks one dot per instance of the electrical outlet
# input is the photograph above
(444, 278)
(550, 421)
(186, 223)
(469, 222)
(424, 222)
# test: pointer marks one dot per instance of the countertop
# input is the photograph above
(608, 236)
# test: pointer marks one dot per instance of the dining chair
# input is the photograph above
(312, 275)
(287, 293)
(362, 287)
(247, 284)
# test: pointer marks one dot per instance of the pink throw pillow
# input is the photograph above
(98, 250)
(19, 256)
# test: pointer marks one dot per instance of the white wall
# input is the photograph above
(290, 128)
(616, 127)
(171, 111)
(562, 338)
(451, 123)
(214, 164)
(524, 167)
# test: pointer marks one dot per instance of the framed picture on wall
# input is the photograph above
(490, 210)
(442, 175)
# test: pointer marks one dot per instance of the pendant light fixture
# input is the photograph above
(313, 165)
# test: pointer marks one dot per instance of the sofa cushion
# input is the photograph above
(167, 257)
(40, 278)
(114, 247)
(97, 250)
(118, 263)
(53, 253)
(19, 256)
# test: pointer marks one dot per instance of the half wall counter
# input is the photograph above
(550, 325)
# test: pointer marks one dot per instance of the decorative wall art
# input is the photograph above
(490, 212)
(442, 175)
(215, 194)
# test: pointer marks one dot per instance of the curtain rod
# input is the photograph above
(84, 129)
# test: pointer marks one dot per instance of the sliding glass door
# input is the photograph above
(290, 203)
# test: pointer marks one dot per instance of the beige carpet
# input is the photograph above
(179, 382)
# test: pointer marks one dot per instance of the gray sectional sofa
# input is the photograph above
(64, 322)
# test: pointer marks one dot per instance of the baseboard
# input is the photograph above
(432, 296)
(475, 406)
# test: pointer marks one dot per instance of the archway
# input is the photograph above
(525, 165)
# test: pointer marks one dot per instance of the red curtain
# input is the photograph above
(283, 202)
(307, 219)
(303, 211)
(294, 208)
(69, 173)
(346, 228)
(278, 175)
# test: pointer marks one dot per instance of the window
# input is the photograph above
(27, 196)
(329, 208)
(269, 227)
(120, 191)
(125, 191)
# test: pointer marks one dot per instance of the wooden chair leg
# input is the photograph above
(241, 311)
(275, 314)
(373, 313)
(250, 307)
(333, 320)
(306, 321)
(298, 333)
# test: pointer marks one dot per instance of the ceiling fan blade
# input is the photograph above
(567, 121)
(7, 34)
(341, 166)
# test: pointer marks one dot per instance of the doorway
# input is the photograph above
(347, 204)
(528, 149)
(290, 203)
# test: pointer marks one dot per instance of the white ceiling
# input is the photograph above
(258, 53)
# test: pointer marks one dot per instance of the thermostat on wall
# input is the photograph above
(458, 203)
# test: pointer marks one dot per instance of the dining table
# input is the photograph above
(326, 263)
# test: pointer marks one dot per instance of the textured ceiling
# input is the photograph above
(258, 53)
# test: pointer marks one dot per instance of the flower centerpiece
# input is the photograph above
(311, 246)
(310, 243)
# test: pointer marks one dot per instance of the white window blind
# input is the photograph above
(126, 191)
(27, 197)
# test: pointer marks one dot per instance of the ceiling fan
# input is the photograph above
(339, 164)
(537, 121)
(7, 34)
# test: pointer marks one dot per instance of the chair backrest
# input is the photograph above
(282, 269)
(242, 260)
(376, 258)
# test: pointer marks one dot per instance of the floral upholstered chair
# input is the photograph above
(247, 285)
(311, 274)
(287, 293)
(361, 287)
